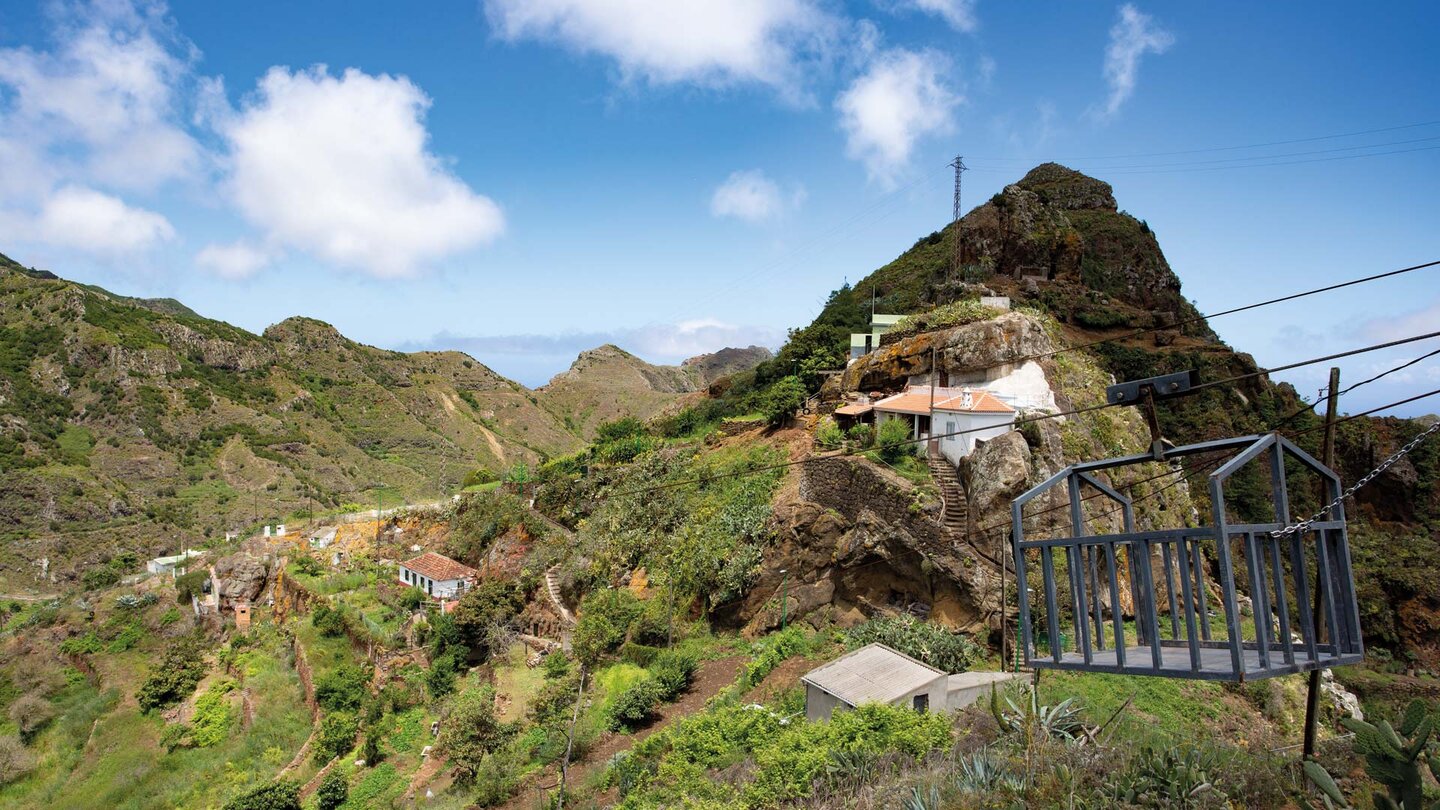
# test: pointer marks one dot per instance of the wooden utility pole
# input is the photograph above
(1327, 457)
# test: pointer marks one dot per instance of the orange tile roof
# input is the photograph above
(439, 567)
(854, 409)
(980, 402)
(906, 402)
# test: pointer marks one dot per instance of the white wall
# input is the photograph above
(446, 588)
(985, 425)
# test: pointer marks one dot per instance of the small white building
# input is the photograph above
(873, 674)
(976, 415)
(171, 565)
(438, 575)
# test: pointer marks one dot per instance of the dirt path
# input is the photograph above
(710, 678)
(424, 774)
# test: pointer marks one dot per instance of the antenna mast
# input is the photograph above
(959, 165)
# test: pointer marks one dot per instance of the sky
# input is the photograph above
(524, 179)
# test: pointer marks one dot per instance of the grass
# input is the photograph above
(516, 681)
(612, 680)
(1170, 707)
(103, 752)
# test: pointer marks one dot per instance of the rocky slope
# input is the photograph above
(607, 383)
(130, 423)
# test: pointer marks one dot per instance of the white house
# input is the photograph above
(976, 416)
(873, 674)
(438, 575)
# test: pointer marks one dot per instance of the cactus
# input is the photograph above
(1392, 758)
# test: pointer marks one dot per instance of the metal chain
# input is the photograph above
(1385, 465)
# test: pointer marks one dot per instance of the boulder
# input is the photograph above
(241, 577)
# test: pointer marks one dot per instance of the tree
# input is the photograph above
(471, 731)
(782, 399)
(485, 614)
(333, 791)
(281, 795)
(893, 440)
(175, 677)
(337, 735)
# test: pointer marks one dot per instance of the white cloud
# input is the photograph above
(1402, 325)
(901, 97)
(94, 222)
(707, 42)
(338, 166)
(237, 260)
(960, 14)
(103, 105)
(752, 197)
(1133, 36)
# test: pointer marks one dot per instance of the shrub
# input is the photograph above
(636, 705)
(923, 641)
(556, 665)
(100, 576)
(175, 677)
(330, 622)
(471, 731)
(337, 735)
(486, 613)
(307, 565)
(281, 795)
(673, 670)
(411, 599)
(190, 584)
(605, 618)
(333, 791)
(31, 713)
(79, 645)
(342, 689)
(862, 435)
(440, 679)
(555, 702)
(893, 440)
(15, 760)
(828, 434)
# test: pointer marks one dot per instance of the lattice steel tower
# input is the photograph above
(959, 165)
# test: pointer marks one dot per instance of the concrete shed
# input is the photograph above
(965, 688)
(873, 674)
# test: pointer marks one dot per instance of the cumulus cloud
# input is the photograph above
(237, 260)
(959, 14)
(339, 166)
(706, 42)
(94, 222)
(900, 98)
(1133, 36)
(752, 197)
(103, 104)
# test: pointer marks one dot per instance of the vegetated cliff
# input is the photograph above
(1056, 243)
(607, 383)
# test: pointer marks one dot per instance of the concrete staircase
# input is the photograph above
(955, 513)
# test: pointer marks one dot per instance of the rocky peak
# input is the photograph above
(297, 333)
(1067, 189)
(727, 361)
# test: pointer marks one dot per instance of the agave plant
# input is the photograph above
(1168, 777)
(1390, 759)
(983, 772)
(1061, 720)
(922, 799)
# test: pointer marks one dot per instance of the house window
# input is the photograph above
(921, 703)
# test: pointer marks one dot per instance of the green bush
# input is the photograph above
(605, 618)
(333, 791)
(923, 641)
(862, 435)
(329, 621)
(893, 440)
(190, 584)
(174, 677)
(673, 670)
(556, 665)
(100, 576)
(343, 688)
(636, 705)
(829, 435)
(281, 795)
(337, 735)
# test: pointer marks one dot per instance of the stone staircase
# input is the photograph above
(955, 513)
(552, 589)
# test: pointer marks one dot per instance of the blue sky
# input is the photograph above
(523, 179)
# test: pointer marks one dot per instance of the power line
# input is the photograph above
(1348, 389)
(1017, 423)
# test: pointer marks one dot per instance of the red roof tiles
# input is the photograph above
(439, 567)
